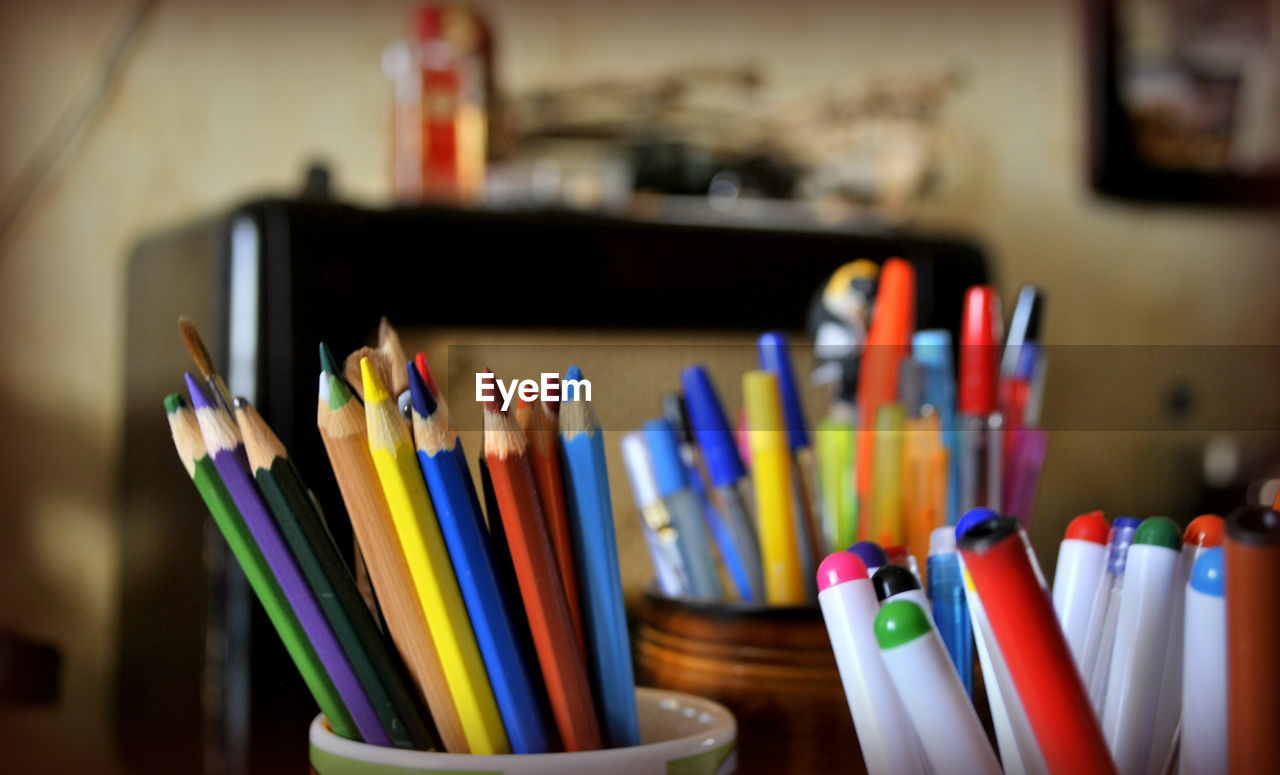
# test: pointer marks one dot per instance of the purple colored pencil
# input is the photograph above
(228, 455)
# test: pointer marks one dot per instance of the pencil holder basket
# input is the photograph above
(772, 666)
(679, 733)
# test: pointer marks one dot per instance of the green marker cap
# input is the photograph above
(1159, 531)
(173, 402)
(899, 622)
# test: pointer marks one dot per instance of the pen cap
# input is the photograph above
(979, 335)
(1204, 531)
(891, 580)
(763, 405)
(899, 622)
(635, 457)
(870, 553)
(1091, 527)
(1206, 574)
(971, 518)
(710, 427)
(1158, 531)
(1118, 542)
(932, 350)
(673, 412)
(775, 358)
(840, 567)
(894, 315)
(668, 468)
(942, 541)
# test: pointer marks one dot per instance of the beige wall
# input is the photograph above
(224, 99)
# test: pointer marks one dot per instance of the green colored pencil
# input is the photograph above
(379, 672)
(191, 449)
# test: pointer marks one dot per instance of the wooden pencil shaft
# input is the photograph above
(389, 571)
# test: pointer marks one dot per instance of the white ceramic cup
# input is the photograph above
(679, 733)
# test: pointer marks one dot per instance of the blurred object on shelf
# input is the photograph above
(30, 671)
(871, 150)
(442, 91)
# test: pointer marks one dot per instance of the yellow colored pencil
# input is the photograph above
(771, 475)
(396, 461)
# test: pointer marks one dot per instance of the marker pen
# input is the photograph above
(871, 555)
(673, 411)
(682, 505)
(894, 582)
(835, 446)
(1106, 607)
(776, 359)
(932, 348)
(1251, 554)
(1142, 629)
(953, 740)
(979, 419)
(888, 741)
(729, 481)
(659, 536)
(950, 611)
(1034, 651)
(1019, 752)
(1081, 559)
(1204, 533)
(899, 555)
(1202, 746)
(785, 579)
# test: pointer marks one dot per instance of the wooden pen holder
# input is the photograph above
(772, 666)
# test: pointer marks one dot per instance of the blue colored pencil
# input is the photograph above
(442, 459)
(596, 551)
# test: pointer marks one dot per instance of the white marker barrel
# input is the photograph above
(1142, 630)
(888, 741)
(1203, 750)
(1081, 559)
(936, 702)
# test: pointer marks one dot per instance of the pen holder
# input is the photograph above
(679, 733)
(773, 667)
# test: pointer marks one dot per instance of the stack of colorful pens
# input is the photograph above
(1154, 653)
(500, 637)
(746, 512)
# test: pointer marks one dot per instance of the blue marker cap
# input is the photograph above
(932, 350)
(775, 358)
(710, 427)
(668, 467)
(870, 553)
(972, 518)
(1206, 574)
(1122, 530)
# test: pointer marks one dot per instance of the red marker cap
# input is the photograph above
(1091, 527)
(1205, 531)
(979, 336)
(840, 567)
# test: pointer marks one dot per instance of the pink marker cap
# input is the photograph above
(840, 567)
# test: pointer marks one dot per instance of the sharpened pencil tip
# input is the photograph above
(423, 402)
(199, 398)
(374, 390)
(327, 363)
(173, 402)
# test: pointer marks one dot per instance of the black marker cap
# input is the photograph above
(892, 579)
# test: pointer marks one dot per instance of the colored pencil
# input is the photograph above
(541, 588)
(433, 575)
(596, 552)
(331, 582)
(340, 418)
(229, 458)
(443, 463)
(226, 515)
(538, 421)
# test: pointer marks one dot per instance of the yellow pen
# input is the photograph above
(924, 486)
(771, 475)
(396, 462)
(886, 477)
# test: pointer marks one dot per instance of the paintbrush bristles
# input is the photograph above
(502, 436)
(389, 345)
(195, 346)
(260, 443)
(217, 429)
(187, 438)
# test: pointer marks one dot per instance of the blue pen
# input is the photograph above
(776, 359)
(950, 609)
(1096, 665)
(932, 349)
(674, 412)
(595, 547)
(525, 714)
(682, 504)
(724, 466)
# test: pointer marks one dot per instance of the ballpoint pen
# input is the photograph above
(659, 536)
(685, 511)
(979, 418)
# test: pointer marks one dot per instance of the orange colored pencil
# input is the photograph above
(541, 589)
(541, 429)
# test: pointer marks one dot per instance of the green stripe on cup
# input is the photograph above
(704, 763)
(326, 763)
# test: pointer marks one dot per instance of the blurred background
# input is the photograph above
(1120, 155)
